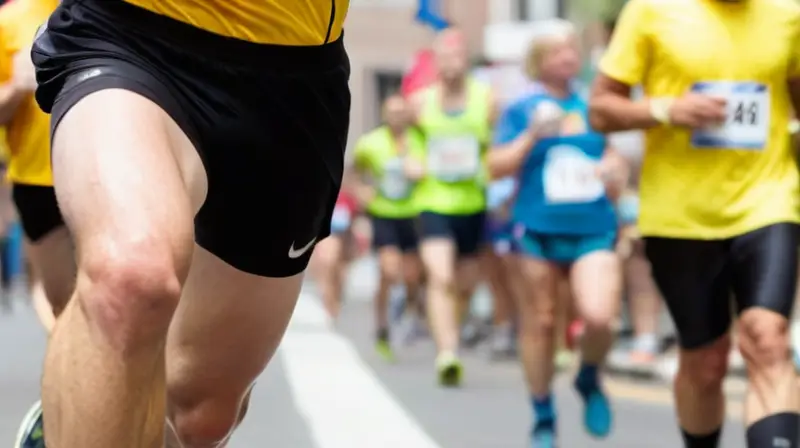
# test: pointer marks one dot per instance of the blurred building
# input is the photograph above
(382, 38)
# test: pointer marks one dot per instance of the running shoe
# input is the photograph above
(384, 349)
(449, 369)
(31, 431)
(543, 435)
(597, 415)
(383, 346)
(409, 329)
(502, 343)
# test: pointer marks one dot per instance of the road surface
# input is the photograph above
(327, 389)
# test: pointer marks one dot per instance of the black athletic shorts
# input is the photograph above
(270, 122)
(467, 231)
(394, 232)
(38, 210)
(698, 279)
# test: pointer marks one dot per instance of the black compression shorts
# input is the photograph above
(699, 278)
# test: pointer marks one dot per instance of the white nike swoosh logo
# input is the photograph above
(297, 253)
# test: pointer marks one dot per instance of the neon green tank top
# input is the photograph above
(454, 153)
(376, 155)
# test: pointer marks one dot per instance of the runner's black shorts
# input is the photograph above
(466, 231)
(400, 233)
(701, 280)
(269, 122)
(38, 210)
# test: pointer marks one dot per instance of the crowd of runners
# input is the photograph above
(168, 120)
(539, 197)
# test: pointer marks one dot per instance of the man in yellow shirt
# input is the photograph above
(719, 192)
(174, 123)
(50, 248)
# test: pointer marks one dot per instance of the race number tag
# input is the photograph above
(454, 159)
(394, 185)
(569, 177)
(747, 123)
(341, 219)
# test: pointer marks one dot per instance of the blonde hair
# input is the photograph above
(554, 31)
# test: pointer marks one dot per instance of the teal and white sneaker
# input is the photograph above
(31, 431)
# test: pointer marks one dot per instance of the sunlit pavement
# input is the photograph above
(327, 389)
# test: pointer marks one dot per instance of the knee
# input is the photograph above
(538, 320)
(205, 423)
(764, 342)
(390, 273)
(598, 321)
(411, 273)
(706, 367)
(440, 278)
(130, 295)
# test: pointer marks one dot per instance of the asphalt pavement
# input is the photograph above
(327, 388)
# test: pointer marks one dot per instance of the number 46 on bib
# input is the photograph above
(748, 114)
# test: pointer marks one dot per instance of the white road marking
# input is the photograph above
(342, 401)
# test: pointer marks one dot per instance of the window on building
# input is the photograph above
(387, 83)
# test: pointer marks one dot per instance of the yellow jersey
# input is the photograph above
(28, 133)
(722, 182)
(280, 22)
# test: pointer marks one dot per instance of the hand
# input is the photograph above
(546, 121)
(613, 170)
(23, 72)
(694, 110)
(414, 169)
(626, 241)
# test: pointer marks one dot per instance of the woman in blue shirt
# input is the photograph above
(567, 178)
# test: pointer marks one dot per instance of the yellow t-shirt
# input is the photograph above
(281, 22)
(28, 133)
(691, 185)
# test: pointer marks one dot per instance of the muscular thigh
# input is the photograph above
(227, 326)
(694, 278)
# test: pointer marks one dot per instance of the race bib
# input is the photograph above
(340, 221)
(569, 177)
(747, 123)
(454, 159)
(394, 185)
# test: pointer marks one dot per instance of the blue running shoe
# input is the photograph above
(544, 435)
(31, 431)
(597, 416)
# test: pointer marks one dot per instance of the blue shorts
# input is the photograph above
(500, 234)
(564, 249)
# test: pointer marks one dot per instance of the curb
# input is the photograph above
(663, 369)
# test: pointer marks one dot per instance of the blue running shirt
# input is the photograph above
(558, 191)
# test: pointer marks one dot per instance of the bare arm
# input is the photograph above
(495, 109)
(611, 108)
(10, 99)
(506, 160)
(615, 171)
